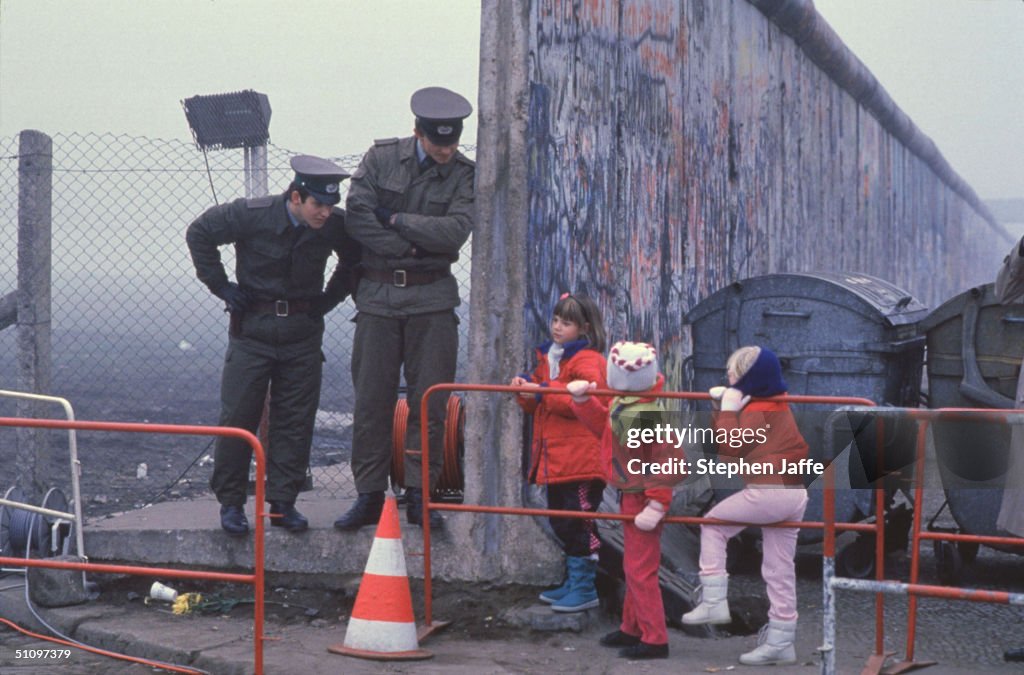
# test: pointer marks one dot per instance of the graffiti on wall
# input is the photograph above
(675, 147)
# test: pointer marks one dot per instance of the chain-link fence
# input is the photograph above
(135, 336)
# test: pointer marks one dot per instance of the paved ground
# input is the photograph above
(962, 637)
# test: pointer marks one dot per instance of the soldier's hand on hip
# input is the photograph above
(321, 305)
(235, 299)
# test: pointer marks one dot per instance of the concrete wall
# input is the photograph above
(668, 148)
(675, 147)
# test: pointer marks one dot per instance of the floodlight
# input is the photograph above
(239, 119)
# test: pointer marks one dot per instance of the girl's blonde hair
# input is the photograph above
(584, 312)
(741, 360)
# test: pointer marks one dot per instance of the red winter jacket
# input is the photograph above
(563, 450)
(783, 439)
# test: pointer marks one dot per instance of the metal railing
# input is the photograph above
(913, 589)
(76, 469)
(255, 579)
(517, 511)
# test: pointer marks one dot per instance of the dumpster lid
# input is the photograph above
(984, 295)
(894, 304)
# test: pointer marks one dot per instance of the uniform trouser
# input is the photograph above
(754, 504)
(293, 373)
(427, 346)
(643, 613)
(578, 536)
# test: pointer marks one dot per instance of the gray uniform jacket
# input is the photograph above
(1010, 288)
(274, 260)
(435, 217)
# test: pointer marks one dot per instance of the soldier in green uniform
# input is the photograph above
(410, 205)
(282, 244)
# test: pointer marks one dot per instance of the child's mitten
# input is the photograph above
(649, 518)
(734, 400)
(579, 389)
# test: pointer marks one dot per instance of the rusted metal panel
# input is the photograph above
(677, 146)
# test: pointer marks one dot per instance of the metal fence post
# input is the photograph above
(255, 170)
(35, 188)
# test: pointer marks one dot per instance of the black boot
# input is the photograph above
(233, 520)
(366, 511)
(619, 639)
(642, 650)
(414, 509)
(284, 514)
(1014, 654)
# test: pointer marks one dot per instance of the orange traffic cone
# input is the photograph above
(382, 626)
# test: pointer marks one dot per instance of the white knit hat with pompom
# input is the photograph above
(632, 366)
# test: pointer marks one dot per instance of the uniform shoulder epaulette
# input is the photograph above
(465, 160)
(259, 202)
(385, 141)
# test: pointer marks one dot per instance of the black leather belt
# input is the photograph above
(281, 307)
(403, 278)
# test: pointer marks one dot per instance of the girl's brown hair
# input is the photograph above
(584, 312)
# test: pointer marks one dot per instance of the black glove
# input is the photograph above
(235, 299)
(383, 215)
(321, 305)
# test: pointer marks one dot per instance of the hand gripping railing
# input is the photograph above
(516, 511)
(912, 589)
(255, 579)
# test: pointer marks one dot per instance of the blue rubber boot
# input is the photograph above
(553, 595)
(582, 593)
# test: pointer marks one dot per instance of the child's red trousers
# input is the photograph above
(643, 613)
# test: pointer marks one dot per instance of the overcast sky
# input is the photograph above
(957, 68)
(340, 74)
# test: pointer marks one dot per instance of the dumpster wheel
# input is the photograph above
(968, 551)
(857, 559)
(948, 562)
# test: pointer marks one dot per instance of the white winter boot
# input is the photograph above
(774, 645)
(714, 602)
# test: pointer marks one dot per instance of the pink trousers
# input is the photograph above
(643, 613)
(759, 504)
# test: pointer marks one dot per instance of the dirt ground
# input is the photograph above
(480, 618)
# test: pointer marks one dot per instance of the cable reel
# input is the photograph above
(451, 481)
(13, 494)
(46, 535)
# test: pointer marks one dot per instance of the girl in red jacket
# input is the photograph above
(565, 456)
(770, 496)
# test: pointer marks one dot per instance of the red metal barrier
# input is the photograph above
(924, 418)
(515, 511)
(913, 589)
(255, 579)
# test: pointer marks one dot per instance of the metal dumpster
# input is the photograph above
(975, 346)
(836, 335)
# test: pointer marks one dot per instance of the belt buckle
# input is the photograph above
(398, 278)
(281, 308)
